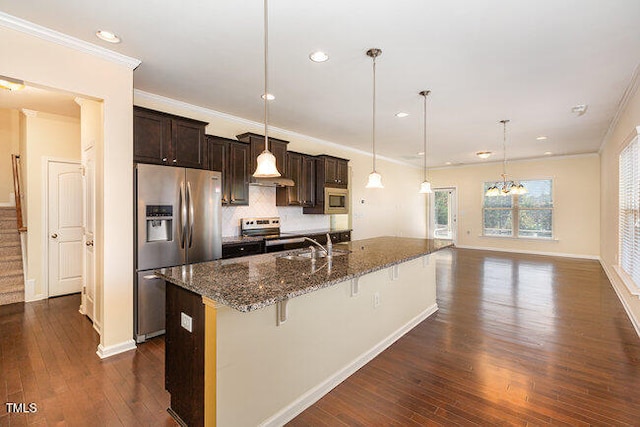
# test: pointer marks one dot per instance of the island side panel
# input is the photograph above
(267, 374)
(184, 355)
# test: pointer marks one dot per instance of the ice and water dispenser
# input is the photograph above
(159, 223)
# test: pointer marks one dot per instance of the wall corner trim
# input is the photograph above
(18, 24)
(619, 288)
(112, 350)
(313, 395)
(629, 91)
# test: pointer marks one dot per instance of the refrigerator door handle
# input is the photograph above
(182, 207)
(190, 201)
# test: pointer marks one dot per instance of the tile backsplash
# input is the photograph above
(262, 203)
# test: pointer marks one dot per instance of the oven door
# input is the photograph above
(336, 201)
(284, 244)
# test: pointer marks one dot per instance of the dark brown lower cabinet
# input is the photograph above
(184, 355)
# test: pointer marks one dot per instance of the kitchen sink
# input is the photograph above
(307, 254)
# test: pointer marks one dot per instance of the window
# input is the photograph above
(629, 223)
(528, 215)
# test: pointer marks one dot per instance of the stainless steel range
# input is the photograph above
(274, 239)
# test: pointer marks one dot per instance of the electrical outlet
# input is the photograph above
(186, 322)
(376, 300)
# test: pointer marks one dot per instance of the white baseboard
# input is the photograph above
(620, 288)
(560, 254)
(112, 350)
(313, 395)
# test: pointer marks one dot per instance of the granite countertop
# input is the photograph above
(253, 282)
(232, 240)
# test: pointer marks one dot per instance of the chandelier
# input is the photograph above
(505, 187)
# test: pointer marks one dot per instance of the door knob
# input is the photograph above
(89, 243)
(54, 236)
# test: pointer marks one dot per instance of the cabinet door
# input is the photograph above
(294, 167)
(330, 169)
(342, 172)
(188, 144)
(238, 174)
(151, 137)
(308, 181)
(218, 160)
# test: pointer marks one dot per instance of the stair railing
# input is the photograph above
(17, 189)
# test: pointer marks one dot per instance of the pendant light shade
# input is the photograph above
(375, 179)
(425, 187)
(266, 167)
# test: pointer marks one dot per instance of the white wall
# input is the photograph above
(624, 128)
(9, 144)
(396, 210)
(54, 65)
(46, 136)
(576, 200)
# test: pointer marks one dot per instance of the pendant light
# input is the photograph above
(375, 180)
(425, 187)
(266, 167)
(504, 187)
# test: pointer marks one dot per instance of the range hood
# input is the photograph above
(272, 182)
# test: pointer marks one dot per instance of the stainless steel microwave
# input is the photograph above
(336, 200)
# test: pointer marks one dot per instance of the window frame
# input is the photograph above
(515, 210)
(627, 277)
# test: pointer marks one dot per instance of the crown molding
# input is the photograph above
(29, 113)
(631, 89)
(142, 95)
(18, 24)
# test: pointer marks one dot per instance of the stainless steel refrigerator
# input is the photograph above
(178, 221)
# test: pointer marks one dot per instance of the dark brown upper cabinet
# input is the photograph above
(232, 158)
(277, 147)
(165, 139)
(333, 171)
(301, 169)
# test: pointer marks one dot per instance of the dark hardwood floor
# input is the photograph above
(48, 356)
(518, 340)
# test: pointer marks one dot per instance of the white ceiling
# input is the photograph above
(34, 98)
(529, 61)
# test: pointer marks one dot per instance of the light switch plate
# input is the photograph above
(186, 322)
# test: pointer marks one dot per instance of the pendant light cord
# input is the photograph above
(374, 114)
(424, 134)
(266, 63)
(504, 149)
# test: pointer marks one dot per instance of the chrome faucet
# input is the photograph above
(328, 250)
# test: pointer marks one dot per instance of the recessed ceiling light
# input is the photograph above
(447, 163)
(107, 36)
(484, 154)
(541, 138)
(401, 114)
(421, 153)
(269, 97)
(318, 56)
(548, 153)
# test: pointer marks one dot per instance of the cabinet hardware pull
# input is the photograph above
(54, 236)
(164, 159)
(175, 160)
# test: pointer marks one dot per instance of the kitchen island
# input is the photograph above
(256, 340)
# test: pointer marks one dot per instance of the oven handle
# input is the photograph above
(283, 241)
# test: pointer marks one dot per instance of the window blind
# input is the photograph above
(629, 201)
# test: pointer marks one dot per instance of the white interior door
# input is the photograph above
(65, 231)
(89, 294)
(444, 214)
